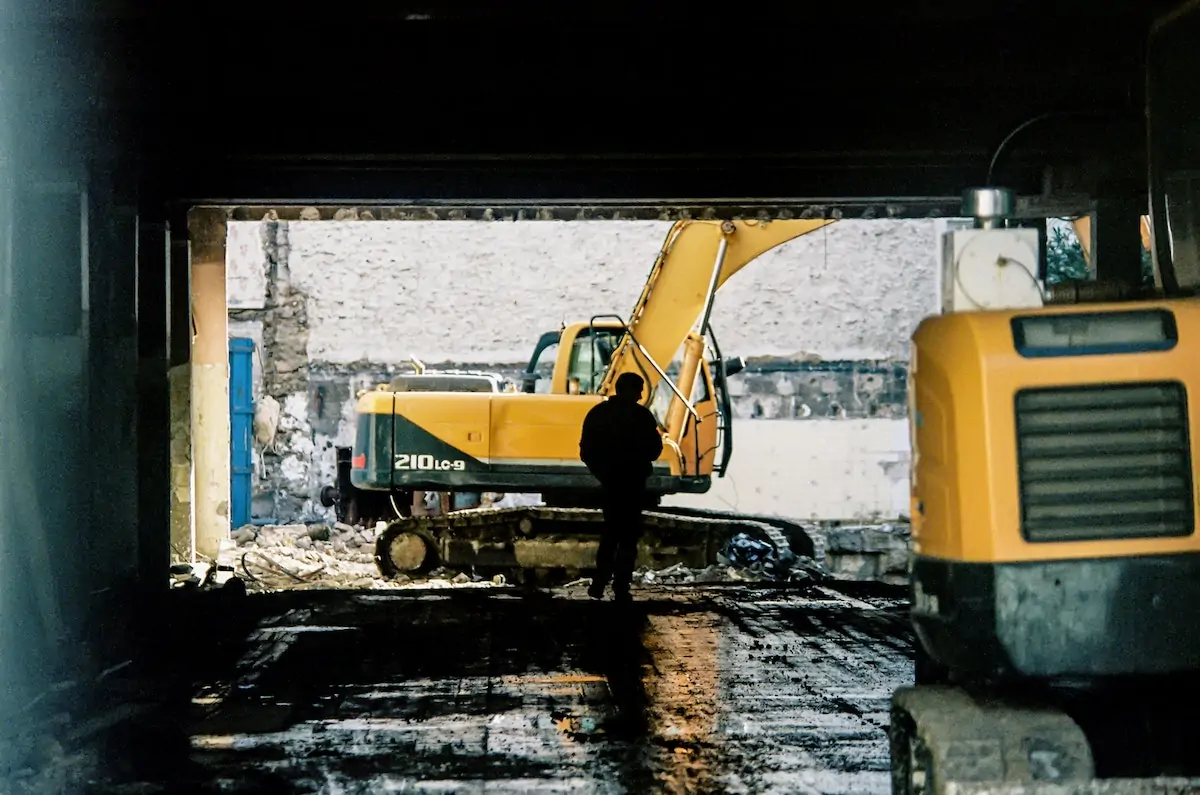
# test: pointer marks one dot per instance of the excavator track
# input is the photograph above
(503, 539)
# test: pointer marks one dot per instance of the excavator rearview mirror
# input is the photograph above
(734, 365)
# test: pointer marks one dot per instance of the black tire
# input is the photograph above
(329, 496)
(383, 559)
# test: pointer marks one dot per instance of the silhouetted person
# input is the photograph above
(619, 441)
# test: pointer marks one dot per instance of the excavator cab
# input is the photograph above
(590, 354)
(590, 350)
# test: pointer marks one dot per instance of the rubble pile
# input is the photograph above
(321, 556)
(743, 559)
(302, 556)
(682, 575)
(315, 556)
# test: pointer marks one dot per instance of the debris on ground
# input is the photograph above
(680, 574)
(739, 691)
(726, 572)
(322, 556)
(748, 552)
(492, 499)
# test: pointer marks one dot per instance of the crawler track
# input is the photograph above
(549, 538)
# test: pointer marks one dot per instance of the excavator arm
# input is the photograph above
(696, 259)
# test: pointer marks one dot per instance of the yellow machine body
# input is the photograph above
(1053, 489)
(530, 441)
(511, 441)
(967, 382)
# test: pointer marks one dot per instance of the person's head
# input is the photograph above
(629, 386)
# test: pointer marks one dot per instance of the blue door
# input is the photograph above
(241, 428)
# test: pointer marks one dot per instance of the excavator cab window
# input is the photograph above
(541, 371)
(590, 357)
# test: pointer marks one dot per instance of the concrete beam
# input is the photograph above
(604, 210)
(209, 381)
(1027, 207)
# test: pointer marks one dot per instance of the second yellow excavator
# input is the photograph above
(528, 441)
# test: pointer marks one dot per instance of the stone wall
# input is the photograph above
(824, 322)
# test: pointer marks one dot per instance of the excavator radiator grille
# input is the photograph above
(1104, 462)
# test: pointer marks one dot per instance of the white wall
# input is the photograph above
(815, 469)
(461, 291)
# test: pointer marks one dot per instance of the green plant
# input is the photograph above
(1064, 257)
(1065, 260)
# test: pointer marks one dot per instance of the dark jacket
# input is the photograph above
(619, 441)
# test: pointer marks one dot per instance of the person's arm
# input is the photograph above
(654, 442)
(587, 439)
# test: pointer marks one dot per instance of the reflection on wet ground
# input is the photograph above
(722, 689)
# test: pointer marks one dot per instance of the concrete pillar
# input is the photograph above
(153, 397)
(179, 386)
(209, 381)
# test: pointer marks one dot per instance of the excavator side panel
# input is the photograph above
(1031, 452)
(536, 441)
(478, 441)
(441, 439)
(535, 444)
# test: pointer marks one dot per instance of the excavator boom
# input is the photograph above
(697, 258)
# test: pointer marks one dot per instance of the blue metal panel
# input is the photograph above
(241, 428)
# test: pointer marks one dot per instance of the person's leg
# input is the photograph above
(606, 555)
(627, 548)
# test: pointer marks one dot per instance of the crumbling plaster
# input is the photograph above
(444, 291)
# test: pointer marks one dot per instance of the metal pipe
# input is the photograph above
(988, 206)
(712, 283)
(721, 385)
(686, 403)
(1081, 292)
(693, 352)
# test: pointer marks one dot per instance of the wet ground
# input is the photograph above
(690, 689)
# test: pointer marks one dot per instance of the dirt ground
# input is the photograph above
(750, 687)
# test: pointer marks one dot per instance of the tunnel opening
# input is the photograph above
(326, 301)
(329, 308)
(142, 162)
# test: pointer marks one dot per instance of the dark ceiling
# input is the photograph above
(449, 100)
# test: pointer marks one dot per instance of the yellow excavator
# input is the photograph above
(1055, 570)
(528, 441)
